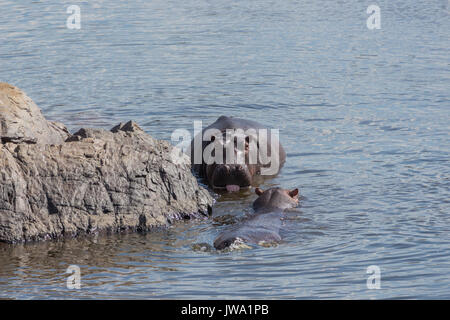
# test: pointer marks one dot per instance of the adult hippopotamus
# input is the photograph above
(231, 153)
(265, 224)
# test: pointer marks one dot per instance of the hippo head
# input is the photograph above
(275, 198)
(235, 174)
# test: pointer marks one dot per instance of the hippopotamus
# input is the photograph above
(265, 223)
(231, 153)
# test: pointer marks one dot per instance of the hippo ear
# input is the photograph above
(259, 191)
(293, 193)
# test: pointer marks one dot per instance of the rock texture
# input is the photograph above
(21, 121)
(96, 180)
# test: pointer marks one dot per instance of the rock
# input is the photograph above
(95, 181)
(129, 126)
(21, 121)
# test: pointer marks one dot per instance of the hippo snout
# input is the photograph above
(236, 175)
(223, 242)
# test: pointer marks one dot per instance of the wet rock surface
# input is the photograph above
(53, 184)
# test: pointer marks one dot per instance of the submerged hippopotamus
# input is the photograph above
(231, 153)
(264, 225)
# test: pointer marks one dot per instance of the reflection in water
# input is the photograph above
(363, 115)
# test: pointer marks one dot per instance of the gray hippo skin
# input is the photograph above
(233, 176)
(265, 223)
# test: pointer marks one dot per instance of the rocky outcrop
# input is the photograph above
(21, 121)
(95, 180)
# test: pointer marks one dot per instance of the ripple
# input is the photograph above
(362, 114)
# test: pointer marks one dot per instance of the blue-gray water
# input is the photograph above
(363, 115)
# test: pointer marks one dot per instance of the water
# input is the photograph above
(363, 115)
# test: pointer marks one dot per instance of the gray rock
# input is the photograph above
(95, 181)
(21, 121)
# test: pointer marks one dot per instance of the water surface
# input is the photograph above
(363, 115)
